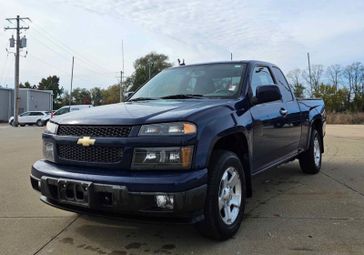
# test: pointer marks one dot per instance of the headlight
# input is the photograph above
(162, 158)
(48, 151)
(51, 128)
(173, 128)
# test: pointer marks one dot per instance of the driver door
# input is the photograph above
(267, 123)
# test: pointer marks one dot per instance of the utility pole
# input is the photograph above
(149, 69)
(231, 56)
(150, 65)
(121, 73)
(121, 87)
(17, 55)
(309, 70)
(73, 65)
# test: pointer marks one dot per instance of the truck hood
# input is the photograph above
(134, 113)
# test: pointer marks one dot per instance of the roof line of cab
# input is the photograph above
(252, 62)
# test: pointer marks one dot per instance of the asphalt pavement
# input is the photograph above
(290, 213)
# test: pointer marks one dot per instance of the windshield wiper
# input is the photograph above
(182, 96)
(141, 99)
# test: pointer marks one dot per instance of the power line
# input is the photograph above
(70, 51)
(64, 53)
(44, 62)
(73, 65)
(66, 58)
(51, 49)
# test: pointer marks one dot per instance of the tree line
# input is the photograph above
(341, 87)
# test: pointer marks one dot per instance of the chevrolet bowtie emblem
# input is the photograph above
(86, 141)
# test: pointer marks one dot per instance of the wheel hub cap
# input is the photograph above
(317, 152)
(229, 195)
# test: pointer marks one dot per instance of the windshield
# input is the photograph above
(212, 80)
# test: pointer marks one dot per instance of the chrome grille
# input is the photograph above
(92, 154)
(94, 131)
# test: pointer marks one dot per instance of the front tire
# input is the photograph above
(226, 197)
(39, 123)
(310, 160)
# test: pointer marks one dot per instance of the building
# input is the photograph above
(35, 100)
(6, 104)
(30, 100)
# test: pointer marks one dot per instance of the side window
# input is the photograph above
(25, 114)
(261, 76)
(62, 111)
(283, 85)
(36, 114)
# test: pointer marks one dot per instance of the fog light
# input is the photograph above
(164, 201)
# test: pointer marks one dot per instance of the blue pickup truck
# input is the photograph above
(183, 148)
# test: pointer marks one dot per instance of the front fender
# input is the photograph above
(222, 123)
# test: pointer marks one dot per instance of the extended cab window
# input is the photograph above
(282, 84)
(261, 76)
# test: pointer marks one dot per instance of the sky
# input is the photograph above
(279, 31)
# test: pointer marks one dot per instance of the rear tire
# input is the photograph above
(39, 123)
(226, 197)
(11, 123)
(310, 160)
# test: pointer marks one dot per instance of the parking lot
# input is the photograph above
(290, 213)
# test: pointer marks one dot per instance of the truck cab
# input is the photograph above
(183, 148)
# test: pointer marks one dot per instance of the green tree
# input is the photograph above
(63, 100)
(52, 83)
(27, 85)
(335, 99)
(314, 80)
(111, 95)
(294, 79)
(334, 73)
(96, 96)
(81, 96)
(145, 67)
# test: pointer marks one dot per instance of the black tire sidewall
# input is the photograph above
(307, 158)
(39, 123)
(315, 135)
(224, 159)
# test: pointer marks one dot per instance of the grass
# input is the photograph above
(345, 118)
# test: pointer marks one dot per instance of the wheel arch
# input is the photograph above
(317, 124)
(237, 142)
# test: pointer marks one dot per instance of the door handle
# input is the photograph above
(283, 112)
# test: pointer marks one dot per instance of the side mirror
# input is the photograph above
(128, 95)
(267, 93)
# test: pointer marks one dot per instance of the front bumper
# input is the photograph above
(126, 194)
